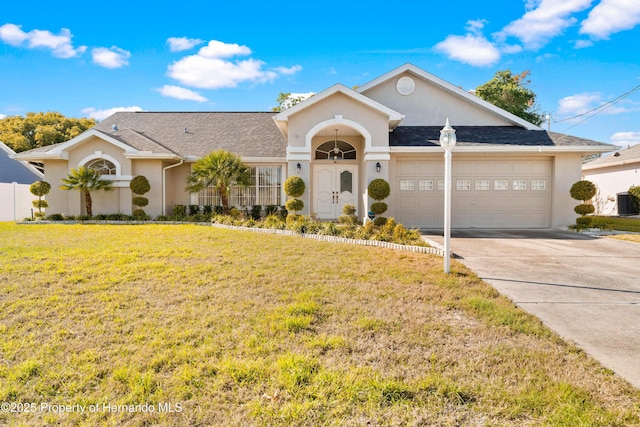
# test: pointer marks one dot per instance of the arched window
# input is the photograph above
(336, 150)
(105, 167)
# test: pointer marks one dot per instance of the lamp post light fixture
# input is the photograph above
(298, 168)
(378, 167)
(447, 141)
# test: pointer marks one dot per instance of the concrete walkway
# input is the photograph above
(586, 288)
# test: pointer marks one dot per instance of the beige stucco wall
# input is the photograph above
(152, 170)
(176, 181)
(54, 171)
(566, 171)
(376, 123)
(430, 105)
(611, 181)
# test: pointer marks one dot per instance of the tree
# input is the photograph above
(139, 185)
(294, 186)
(86, 181)
(219, 169)
(40, 129)
(287, 100)
(510, 92)
(40, 189)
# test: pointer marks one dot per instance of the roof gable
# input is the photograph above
(12, 170)
(394, 116)
(467, 97)
(630, 155)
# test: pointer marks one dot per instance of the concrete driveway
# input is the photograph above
(586, 288)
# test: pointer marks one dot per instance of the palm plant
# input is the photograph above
(86, 181)
(219, 169)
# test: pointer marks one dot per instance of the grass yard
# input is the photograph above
(627, 237)
(230, 328)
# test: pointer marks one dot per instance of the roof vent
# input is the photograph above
(616, 155)
(114, 127)
(185, 130)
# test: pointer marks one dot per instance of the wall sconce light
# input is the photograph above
(298, 168)
(378, 167)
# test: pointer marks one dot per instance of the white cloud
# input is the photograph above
(611, 16)
(579, 103)
(544, 20)
(470, 49)
(112, 57)
(60, 44)
(178, 44)
(181, 93)
(211, 67)
(625, 138)
(581, 44)
(2, 116)
(103, 114)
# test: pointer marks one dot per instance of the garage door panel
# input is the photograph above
(481, 204)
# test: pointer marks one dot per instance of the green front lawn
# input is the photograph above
(615, 223)
(238, 328)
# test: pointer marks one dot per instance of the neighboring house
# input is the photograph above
(506, 172)
(612, 175)
(15, 179)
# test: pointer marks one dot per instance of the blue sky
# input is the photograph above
(206, 55)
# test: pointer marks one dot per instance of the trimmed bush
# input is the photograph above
(270, 210)
(379, 189)
(194, 210)
(379, 208)
(294, 205)
(294, 186)
(140, 185)
(635, 196)
(180, 211)
(583, 190)
(256, 211)
(583, 222)
(584, 209)
(349, 209)
(40, 189)
(380, 221)
(55, 217)
(40, 203)
(140, 201)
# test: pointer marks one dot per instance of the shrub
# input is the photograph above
(256, 211)
(583, 222)
(38, 215)
(40, 189)
(207, 210)
(234, 213)
(218, 210)
(379, 189)
(139, 185)
(194, 210)
(583, 190)
(635, 196)
(349, 209)
(83, 218)
(294, 186)
(584, 209)
(379, 208)
(162, 218)
(140, 201)
(100, 217)
(348, 219)
(380, 221)
(294, 205)
(139, 214)
(284, 213)
(180, 211)
(55, 217)
(270, 210)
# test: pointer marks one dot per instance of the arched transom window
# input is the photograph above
(336, 150)
(104, 166)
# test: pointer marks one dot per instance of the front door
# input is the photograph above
(335, 185)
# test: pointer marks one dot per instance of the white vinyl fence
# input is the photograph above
(15, 201)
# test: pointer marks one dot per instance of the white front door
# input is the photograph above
(334, 185)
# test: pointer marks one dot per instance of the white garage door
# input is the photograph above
(487, 193)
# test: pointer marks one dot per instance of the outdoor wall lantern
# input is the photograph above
(298, 168)
(378, 167)
(447, 141)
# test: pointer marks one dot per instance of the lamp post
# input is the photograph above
(447, 141)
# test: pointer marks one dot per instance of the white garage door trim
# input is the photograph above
(489, 192)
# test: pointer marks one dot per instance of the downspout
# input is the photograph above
(164, 185)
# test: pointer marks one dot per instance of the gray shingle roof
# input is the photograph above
(625, 155)
(246, 134)
(15, 171)
(428, 136)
